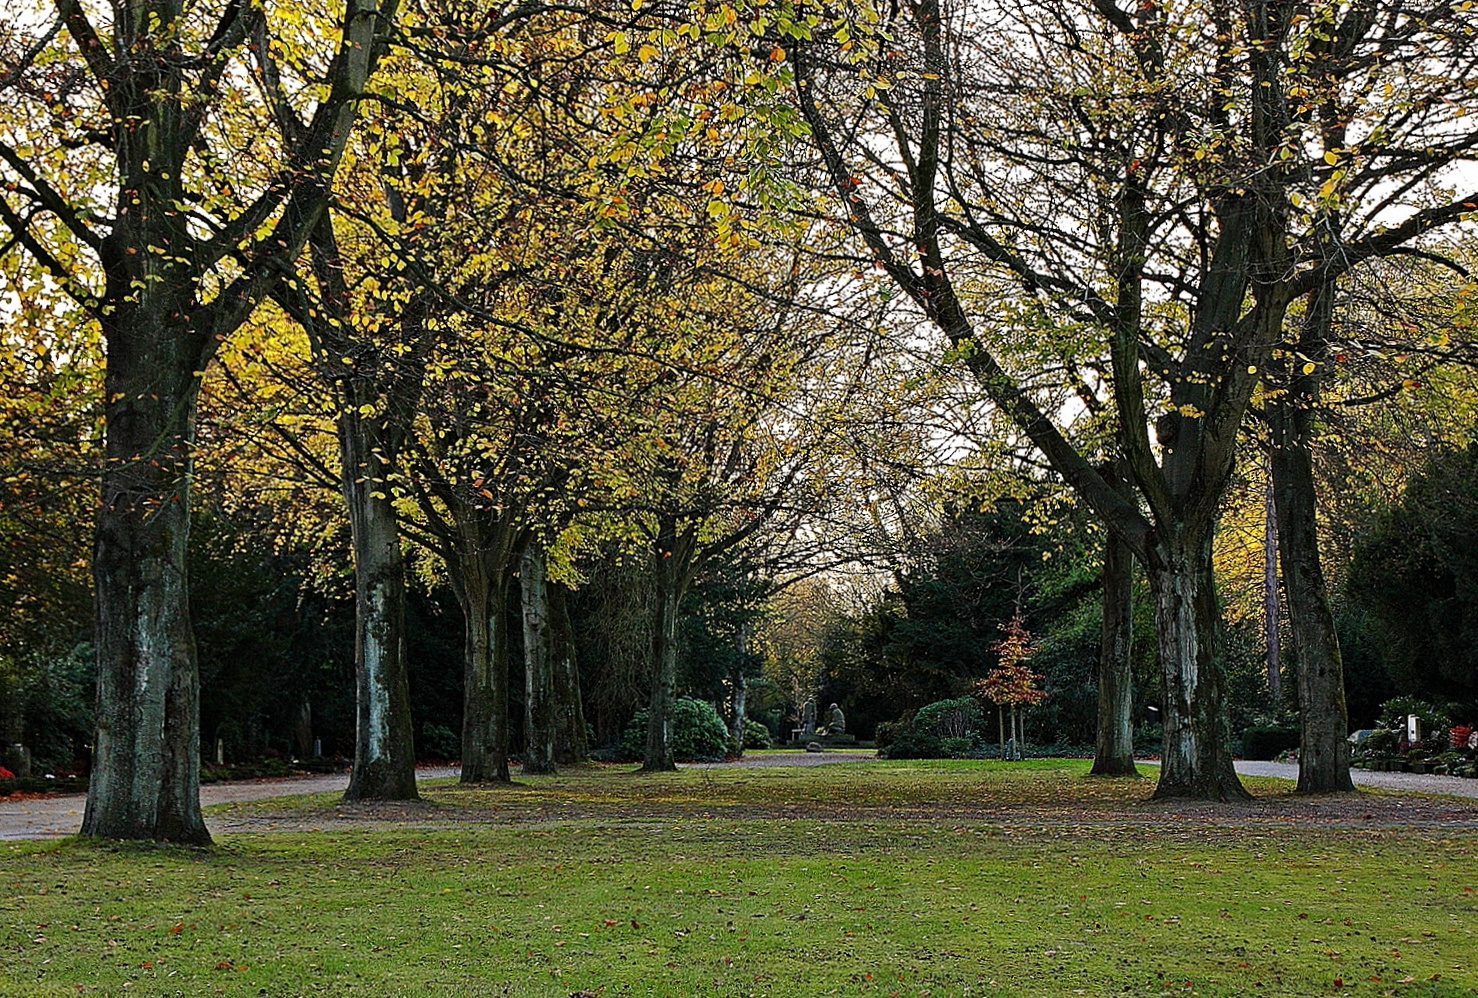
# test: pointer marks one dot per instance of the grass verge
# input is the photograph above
(886, 879)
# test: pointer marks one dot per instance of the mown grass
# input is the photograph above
(704, 883)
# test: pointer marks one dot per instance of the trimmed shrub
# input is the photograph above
(960, 718)
(698, 733)
(945, 729)
(889, 731)
(912, 745)
(756, 735)
(1265, 742)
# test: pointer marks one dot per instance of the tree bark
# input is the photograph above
(1323, 751)
(145, 781)
(1196, 758)
(741, 696)
(157, 85)
(1114, 749)
(539, 706)
(481, 583)
(571, 744)
(1270, 595)
(384, 756)
(664, 648)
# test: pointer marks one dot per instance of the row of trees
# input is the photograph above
(523, 281)
(1176, 192)
(504, 310)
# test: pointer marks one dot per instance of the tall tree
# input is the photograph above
(118, 129)
(1324, 752)
(1146, 179)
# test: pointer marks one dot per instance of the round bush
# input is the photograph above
(698, 733)
(949, 718)
(756, 735)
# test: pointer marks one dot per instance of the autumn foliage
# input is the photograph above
(1011, 683)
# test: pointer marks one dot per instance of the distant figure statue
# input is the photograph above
(808, 718)
(837, 721)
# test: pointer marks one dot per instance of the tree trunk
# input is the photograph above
(539, 707)
(1196, 759)
(145, 780)
(741, 696)
(1323, 750)
(664, 650)
(1270, 594)
(571, 744)
(482, 588)
(384, 756)
(1114, 751)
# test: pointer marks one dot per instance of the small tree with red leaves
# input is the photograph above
(1011, 684)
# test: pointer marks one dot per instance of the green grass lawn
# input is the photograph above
(887, 879)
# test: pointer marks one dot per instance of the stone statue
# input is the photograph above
(808, 718)
(836, 721)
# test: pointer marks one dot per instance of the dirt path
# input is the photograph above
(58, 816)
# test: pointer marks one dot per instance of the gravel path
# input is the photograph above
(53, 817)
(1455, 786)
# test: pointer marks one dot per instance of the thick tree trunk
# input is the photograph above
(664, 650)
(1323, 751)
(539, 706)
(1114, 751)
(1196, 759)
(384, 756)
(145, 781)
(571, 744)
(482, 592)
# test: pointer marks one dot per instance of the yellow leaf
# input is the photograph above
(1331, 158)
(1308, 368)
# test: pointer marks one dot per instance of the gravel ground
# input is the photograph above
(1455, 786)
(57, 816)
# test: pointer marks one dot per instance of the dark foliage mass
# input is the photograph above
(1415, 579)
(931, 635)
